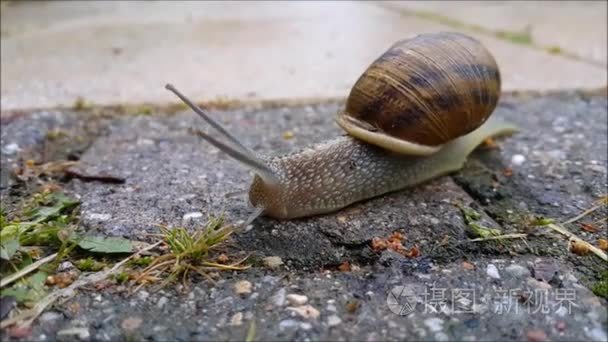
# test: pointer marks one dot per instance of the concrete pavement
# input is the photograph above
(117, 52)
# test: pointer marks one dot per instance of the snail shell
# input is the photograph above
(423, 92)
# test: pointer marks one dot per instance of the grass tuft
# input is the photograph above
(189, 252)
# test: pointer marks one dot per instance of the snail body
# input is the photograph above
(415, 114)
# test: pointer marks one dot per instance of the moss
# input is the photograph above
(554, 50)
(601, 287)
(81, 104)
(524, 37)
(89, 265)
(121, 277)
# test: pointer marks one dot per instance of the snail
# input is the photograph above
(415, 114)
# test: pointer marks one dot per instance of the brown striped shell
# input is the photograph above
(423, 92)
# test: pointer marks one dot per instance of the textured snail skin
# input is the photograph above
(337, 173)
(426, 90)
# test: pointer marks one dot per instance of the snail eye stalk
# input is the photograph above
(233, 148)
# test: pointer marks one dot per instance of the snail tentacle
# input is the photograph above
(235, 149)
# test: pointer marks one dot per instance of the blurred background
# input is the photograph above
(112, 52)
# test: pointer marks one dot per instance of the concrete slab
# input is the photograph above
(577, 27)
(115, 52)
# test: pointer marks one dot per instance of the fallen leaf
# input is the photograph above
(352, 306)
(396, 237)
(103, 244)
(507, 172)
(413, 252)
(379, 244)
(589, 228)
(344, 267)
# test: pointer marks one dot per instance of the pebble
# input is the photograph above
(536, 335)
(192, 215)
(237, 319)
(291, 324)
(143, 295)
(279, 298)
(99, 217)
(49, 316)
(242, 287)
(440, 336)
(131, 324)
(273, 262)
(305, 311)
(517, 270)
(65, 266)
(11, 148)
(518, 159)
(161, 302)
(597, 334)
(296, 299)
(333, 320)
(492, 272)
(81, 333)
(434, 324)
(18, 331)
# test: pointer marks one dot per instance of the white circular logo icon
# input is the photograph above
(401, 300)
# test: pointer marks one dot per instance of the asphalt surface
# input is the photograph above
(515, 290)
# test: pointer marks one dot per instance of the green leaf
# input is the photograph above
(8, 248)
(102, 244)
(482, 231)
(29, 290)
(61, 204)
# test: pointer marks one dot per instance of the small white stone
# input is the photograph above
(305, 311)
(517, 270)
(333, 320)
(492, 272)
(65, 266)
(279, 298)
(143, 295)
(288, 323)
(441, 337)
(99, 217)
(192, 215)
(237, 319)
(81, 333)
(242, 287)
(597, 334)
(305, 326)
(273, 261)
(518, 159)
(11, 148)
(434, 324)
(296, 299)
(49, 316)
(161, 302)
